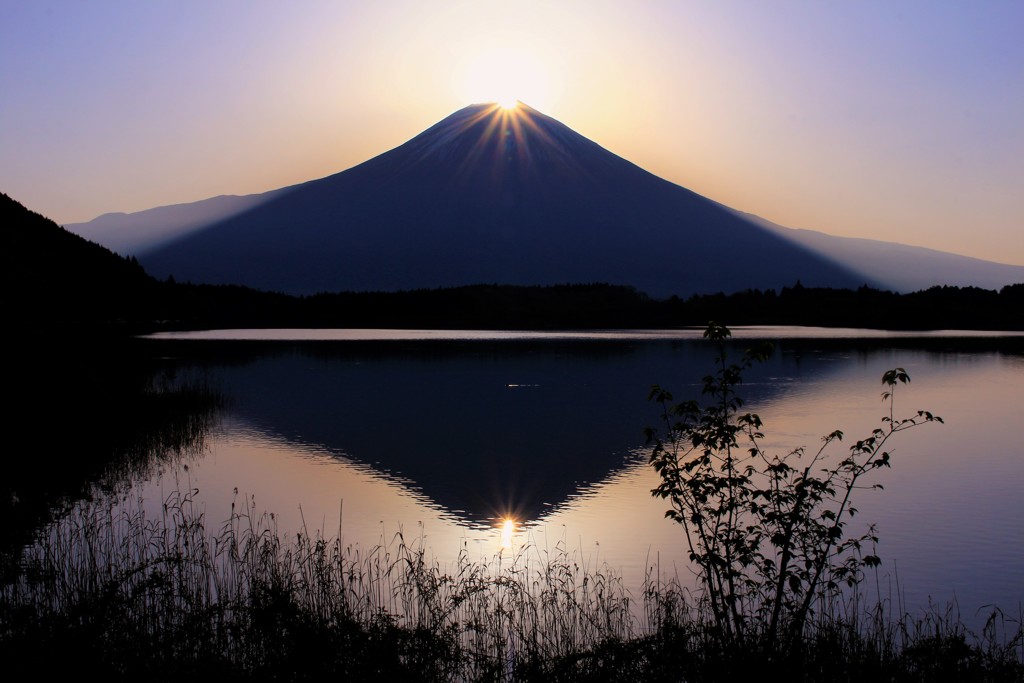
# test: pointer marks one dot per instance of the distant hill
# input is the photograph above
(901, 267)
(143, 231)
(487, 196)
(52, 277)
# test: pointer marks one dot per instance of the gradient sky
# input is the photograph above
(901, 121)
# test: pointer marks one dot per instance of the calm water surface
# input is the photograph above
(441, 435)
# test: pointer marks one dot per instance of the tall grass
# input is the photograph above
(102, 442)
(117, 590)
(129, 590)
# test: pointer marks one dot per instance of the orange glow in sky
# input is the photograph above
(899, 122)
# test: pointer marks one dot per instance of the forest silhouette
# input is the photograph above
(58, 280)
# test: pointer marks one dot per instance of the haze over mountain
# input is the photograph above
(143, 231)
(511, 197)
(900, 267)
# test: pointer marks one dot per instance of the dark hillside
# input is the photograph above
(54, 278)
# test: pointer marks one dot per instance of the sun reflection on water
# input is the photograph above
(508, 527)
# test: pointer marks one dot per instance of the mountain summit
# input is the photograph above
(486, 195)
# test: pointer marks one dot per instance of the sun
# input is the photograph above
(508, 76)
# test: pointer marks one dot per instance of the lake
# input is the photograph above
(440, 436)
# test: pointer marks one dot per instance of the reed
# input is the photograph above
(164, 593)
(115, 589)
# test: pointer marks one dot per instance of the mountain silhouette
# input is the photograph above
(485, 196)
(901, 267)
(57, 279)
(490, 196)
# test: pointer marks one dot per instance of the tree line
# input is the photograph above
(56, 279)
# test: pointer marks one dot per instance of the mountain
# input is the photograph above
(900, 267)
(483, 196)
(131, 233)
(53, 277)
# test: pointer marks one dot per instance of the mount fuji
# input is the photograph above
(489, 195)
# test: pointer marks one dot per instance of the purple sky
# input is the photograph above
(901, 121)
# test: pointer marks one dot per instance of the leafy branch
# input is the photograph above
(766, 533)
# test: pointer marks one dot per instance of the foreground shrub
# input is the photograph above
(767, 533)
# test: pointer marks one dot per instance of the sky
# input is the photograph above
(887, 119)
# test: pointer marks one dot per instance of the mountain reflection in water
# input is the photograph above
(483, 431)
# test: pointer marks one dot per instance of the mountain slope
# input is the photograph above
(901, 267)
(53, 277)
(485, 196)
(142, 231)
